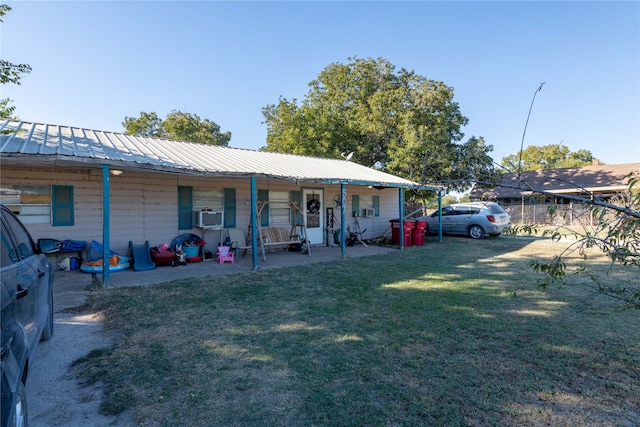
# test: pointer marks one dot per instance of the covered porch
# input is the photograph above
(66, 282)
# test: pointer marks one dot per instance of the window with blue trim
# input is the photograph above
(362, 205)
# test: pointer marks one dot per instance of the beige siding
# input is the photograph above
(144, 204)
(378, 225)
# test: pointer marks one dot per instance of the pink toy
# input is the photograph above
(225, 254)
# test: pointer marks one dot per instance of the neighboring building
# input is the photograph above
(517, 193)
(58, 180)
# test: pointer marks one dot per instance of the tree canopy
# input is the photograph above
(399, 122)
(177, 125)
(553, 156)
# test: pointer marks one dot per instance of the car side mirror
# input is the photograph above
(49, 246)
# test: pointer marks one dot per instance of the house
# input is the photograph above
(527, 195)
(71, 183)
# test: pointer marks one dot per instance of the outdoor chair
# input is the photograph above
(238, 241)
(225, 254)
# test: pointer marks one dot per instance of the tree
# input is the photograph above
(551, 156)
(148, 124)
(6, 111)
(9, 73)
(449, 199)
(398, 122)
(177, 125)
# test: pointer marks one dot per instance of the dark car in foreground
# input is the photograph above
(474, 219)
(26, 284)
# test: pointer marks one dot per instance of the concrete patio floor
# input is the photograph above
(77, 280)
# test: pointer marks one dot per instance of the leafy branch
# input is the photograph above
(616, 234)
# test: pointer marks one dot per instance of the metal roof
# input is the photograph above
(71, 146)
(582, 180)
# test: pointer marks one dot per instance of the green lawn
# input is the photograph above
(452, 333)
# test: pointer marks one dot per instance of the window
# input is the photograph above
(40, 204)
(359, 204)
(221, 207)
(447, 210)
(208, 199)
(280, 210)
(7, 253)
(22, 240)
(185, 208)
(62, 205)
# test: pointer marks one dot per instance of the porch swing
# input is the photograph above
(278, 236)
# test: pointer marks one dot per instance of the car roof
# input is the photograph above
(472, 204)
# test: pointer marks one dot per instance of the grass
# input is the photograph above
(452, 333)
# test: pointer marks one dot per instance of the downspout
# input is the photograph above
(401, 210)
(106, 225)
(254, 223)
(343, 208)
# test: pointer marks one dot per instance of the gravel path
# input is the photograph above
(54, 395)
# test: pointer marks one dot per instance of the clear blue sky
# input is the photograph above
(96, 62)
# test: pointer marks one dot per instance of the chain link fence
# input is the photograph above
(563, 215)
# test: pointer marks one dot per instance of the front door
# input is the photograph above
(314, 214)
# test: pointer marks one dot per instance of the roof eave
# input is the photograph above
(74, 161)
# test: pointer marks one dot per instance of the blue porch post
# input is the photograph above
(440, 215)
(254, 223)
(343, 209)
(106, 225)
(401, 210)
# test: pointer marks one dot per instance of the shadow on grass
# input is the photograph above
(445, 334)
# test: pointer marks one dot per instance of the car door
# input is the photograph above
(448, 220)
(460, 220)
(21, 274)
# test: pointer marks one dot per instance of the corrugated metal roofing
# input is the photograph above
(33, 141)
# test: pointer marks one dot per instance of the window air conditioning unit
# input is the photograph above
(368, 212)
(207, 219)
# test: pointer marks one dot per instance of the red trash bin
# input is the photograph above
(417, 236)
(408, 225)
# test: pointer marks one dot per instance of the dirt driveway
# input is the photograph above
(54, 395)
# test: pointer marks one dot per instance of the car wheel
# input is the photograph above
(47, 332)
(19, 417)
(476, 232)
